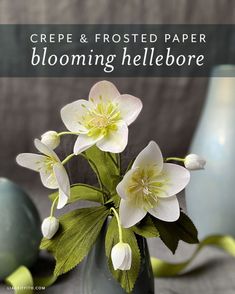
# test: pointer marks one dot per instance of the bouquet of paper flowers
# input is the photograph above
(140, 200)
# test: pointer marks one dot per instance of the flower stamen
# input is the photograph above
(145, 186)
(102, 118)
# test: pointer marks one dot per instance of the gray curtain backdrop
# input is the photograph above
(172, 106)
(28, 107)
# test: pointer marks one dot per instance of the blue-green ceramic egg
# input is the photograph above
(20, 233)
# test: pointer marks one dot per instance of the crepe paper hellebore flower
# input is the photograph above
(49, 227)
(51, 139)
(121, 256)
(52, 172)
(150, 186)
(194, 162)
(103, 119)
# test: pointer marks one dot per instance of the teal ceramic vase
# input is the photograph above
(210, 196)
(97, 279)
(19, 229)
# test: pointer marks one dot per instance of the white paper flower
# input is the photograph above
(49, 227)
(103, 119)
(150, 186)
(51, 139)
(52, 172)
(121, 256)
(194, 162)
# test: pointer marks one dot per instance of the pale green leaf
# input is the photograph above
(82, 192)
(79, 231)
(126, 279)
(106, 167)
(114, 200)
(146, 228)
(66, 221)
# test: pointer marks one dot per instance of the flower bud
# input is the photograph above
(194, 162)
(49, 227)
(121, 256)
(51, 139)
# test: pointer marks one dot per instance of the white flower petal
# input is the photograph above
(130, 107)
(104, 90)
(150, 155)
(167, 209)
(31, 161)
(48, 179)
(177, 176)
(72, 115)
(84, 142)
(124, 184)
(63, 199)
(128, 258)
(116, 140)
(126, 264)
(45, 149)
(130, 214)
(63, 183)
(129, 261)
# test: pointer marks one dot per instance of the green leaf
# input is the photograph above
(167, 234)
(114, 201)
(126, 279)
(186, 230)
(146, 228)
(171, 232)
(82, 192)
(105, 165)
(79, 231)
(66, 221)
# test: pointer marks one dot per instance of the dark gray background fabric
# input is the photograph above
(29, 107)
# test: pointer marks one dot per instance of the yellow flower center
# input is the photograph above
(49, 163)
(145, 186)
(102, 119)
(47, 166)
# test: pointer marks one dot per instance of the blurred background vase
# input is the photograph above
(97, 279)
(20, 232)
(210, 196)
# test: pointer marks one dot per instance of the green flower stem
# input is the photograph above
(119, 162)
(67, 133)
(175, 159)
(68, 158)
(119, 224)
(53, 206)
(116, 163)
